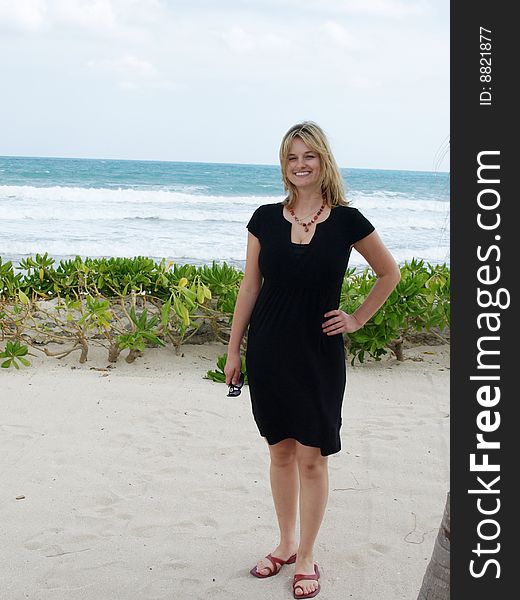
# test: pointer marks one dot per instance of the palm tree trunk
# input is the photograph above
(436, 580)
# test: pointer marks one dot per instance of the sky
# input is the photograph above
(223, 80)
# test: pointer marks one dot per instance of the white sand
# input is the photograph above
(146, 482)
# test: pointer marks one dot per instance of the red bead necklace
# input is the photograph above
(302, 223)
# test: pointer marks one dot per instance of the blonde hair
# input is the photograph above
(332, 187)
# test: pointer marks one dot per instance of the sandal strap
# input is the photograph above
(300, 576)
(276, 561)
(313, 577)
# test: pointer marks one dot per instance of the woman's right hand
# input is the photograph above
(232, 368)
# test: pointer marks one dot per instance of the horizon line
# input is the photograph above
(205, 162)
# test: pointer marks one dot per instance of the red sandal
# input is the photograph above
(275, 570)
(299, 577)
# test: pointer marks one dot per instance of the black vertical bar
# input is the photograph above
(483, 122)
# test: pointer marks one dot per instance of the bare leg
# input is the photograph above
(314, 491)
(284, 486)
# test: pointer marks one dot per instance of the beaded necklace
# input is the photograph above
(314, 218)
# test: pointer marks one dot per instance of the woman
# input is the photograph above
(297, 255)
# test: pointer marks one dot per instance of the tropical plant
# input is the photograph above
(419, 301)
(96, 296)
(14, 352)
(143, 330)
(218, 375)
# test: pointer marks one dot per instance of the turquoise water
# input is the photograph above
(193, 212)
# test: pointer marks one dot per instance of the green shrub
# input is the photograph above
(420, 301)
(129, 303)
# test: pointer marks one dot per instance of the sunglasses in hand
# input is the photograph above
(235, 389)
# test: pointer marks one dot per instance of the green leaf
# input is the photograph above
(200, 294)
(165, 312)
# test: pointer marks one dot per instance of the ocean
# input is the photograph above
(194, 212)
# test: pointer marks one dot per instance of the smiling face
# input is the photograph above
(303, 165)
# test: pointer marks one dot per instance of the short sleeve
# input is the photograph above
(358, 226)
(255, 223)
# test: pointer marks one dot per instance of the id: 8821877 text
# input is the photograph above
(485, 67)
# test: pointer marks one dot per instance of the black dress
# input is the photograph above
(297, 373)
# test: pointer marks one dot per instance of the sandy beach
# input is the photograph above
(144, 481)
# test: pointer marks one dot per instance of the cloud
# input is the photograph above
(94, 15)
(237, 39)
(127, 65)
(337, 34)
(350, 63)
(375, 8)
(369, 8)
(23, 15)
(255, 38)
(117, 19)
(132, 73)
